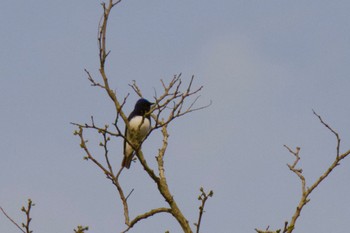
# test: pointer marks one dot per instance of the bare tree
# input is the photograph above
(176, 100)
(307, 190)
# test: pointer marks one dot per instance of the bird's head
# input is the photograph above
(143, 106)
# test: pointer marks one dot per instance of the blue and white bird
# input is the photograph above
(139, 126)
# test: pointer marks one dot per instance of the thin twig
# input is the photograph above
(332, 130)
(28, 218)
(9, 218)
(132, 190)
(88, 154)
(105, 141)
(203, 197)
(92, 80)
(122, 196)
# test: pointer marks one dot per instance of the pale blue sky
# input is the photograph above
(264, 64)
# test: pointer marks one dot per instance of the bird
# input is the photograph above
(139, 126)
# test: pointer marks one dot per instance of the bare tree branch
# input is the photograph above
(298, 172)
(172, 99)
(266, 230)
(13, 221)
(203, 197)
(28, 218)
(332, 130)
(146, 215)
(104, 144)
(88, 154)
(306, 191)
(122, 196)
(26, 210)
(103, 56)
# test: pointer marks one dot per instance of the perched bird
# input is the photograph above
(139, 126)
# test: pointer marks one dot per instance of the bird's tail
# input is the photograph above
(128, 155)
(127, 161)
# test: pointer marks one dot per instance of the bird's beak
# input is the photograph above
(152, 106)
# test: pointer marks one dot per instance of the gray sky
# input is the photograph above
(264, 64)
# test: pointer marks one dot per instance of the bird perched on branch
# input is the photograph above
(139, 126)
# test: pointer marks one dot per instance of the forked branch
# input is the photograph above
(26, 210)
(203, 197)
(174, 102)
(306, 191)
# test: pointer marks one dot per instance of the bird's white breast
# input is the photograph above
(139, 126)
